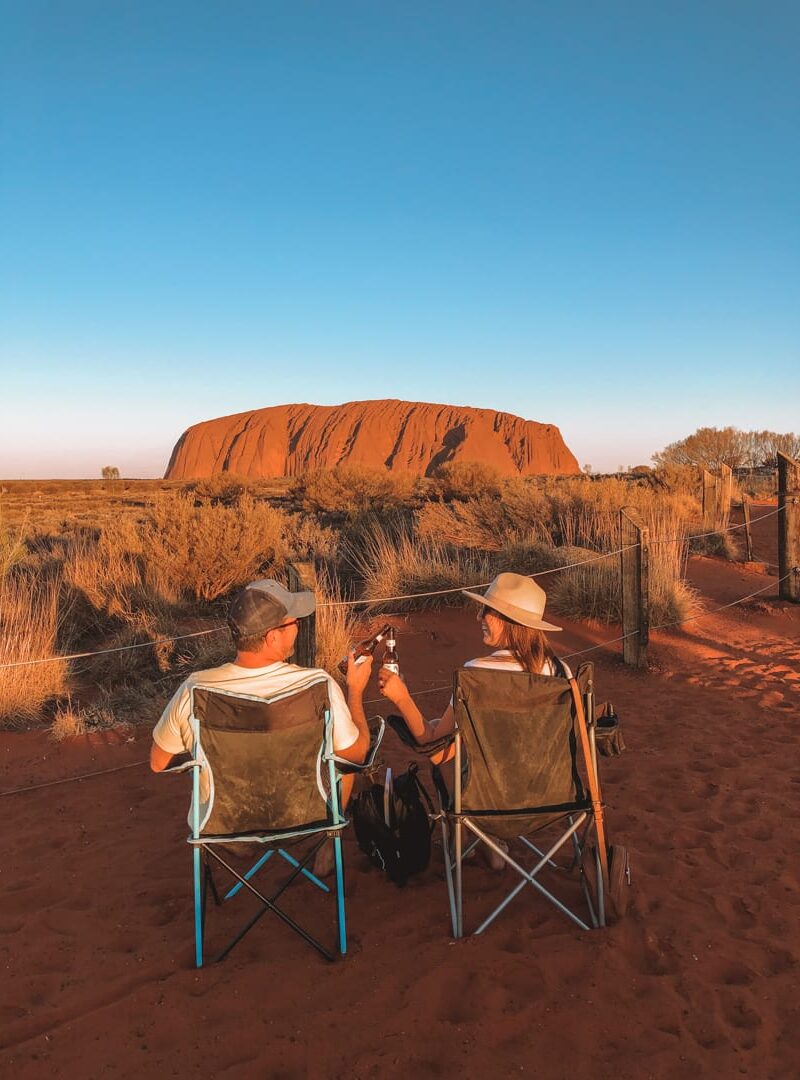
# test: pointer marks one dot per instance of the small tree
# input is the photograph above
(110, 472)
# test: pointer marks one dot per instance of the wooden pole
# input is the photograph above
(748, 536)
(709, 499)
(301, 576)
(789, 527)
(723, 501)
(635, 589)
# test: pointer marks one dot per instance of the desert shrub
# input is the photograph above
(351, 490)
(29, 625)
(206, 551)
(306, 538)
(395, 563)
(110, 573)
(468, 480)
(225, 488)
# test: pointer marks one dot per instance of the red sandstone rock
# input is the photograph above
(404, 436)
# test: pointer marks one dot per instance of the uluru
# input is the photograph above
(403, 436)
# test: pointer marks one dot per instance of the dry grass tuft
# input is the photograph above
(336, 626)
(395, 562)
(71, 721)
(29, 625)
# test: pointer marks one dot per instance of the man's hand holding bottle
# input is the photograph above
(358, 674)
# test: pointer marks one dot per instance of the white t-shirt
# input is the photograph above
(173, 732)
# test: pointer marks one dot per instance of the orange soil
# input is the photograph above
(700, 979)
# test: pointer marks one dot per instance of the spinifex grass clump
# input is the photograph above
(536, 527)
(336, 625)
(29, 624)
(593, 590)
(394, 563)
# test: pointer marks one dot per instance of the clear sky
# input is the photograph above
(585, 214)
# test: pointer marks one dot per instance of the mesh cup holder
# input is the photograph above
(608, 736)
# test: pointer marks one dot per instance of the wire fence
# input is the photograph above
(430, 690)
(374, 602)
(370, 602)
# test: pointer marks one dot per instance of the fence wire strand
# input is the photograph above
(431, 690)
(369, 602)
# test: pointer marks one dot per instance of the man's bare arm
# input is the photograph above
(159, 759)
(357, 679)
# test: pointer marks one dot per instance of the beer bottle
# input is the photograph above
(390, 659)
(365, 648)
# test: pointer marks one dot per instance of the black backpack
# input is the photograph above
(392, 825)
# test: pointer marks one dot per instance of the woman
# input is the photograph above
(511, 622)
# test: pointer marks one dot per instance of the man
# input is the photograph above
(263, 620)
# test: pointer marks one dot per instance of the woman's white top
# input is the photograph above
(503, 660)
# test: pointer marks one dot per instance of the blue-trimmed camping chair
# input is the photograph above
(264, 772)
(517, 788)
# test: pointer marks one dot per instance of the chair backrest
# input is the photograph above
(263, 757)
(519, 734)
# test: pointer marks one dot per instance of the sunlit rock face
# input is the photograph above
(403, 436)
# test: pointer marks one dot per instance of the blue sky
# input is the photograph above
(582, 213)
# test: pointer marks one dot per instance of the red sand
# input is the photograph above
(700, 979)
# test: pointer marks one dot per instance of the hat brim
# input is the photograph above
(516, 614)
(300, 605)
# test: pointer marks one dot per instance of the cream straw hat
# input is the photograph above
(518, 598)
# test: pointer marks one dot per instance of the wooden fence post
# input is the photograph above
(789, 527)
(748, 536)
(723, 500)
(717, 499)
(300, 576)
(709, 499)
(635, 589)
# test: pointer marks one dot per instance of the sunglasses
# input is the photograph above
(484, 611)
(285, 625)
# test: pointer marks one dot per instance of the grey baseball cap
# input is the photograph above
(263, 605)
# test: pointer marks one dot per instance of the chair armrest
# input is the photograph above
(184, 766)
(400, 728)
(377, 729)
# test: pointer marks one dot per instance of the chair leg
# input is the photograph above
(579, 854)
(340, 908)
(198, 908)
(459, 829)
(448, 873)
